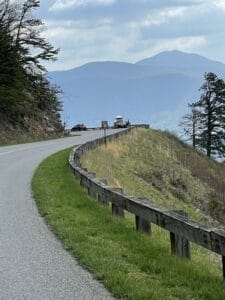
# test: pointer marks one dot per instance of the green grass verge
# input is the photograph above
(131, 265)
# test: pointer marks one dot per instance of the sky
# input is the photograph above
(131, 30)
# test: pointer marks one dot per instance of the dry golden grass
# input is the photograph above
(114, 149)
(158, 166)
(117, 183)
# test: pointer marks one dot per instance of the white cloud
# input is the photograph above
(164, 15)
(88, 41)
(67, 4)
(207, 5)
(107, 37)
(66, 30)
(220, 4)
(83, 41)
(159, 16)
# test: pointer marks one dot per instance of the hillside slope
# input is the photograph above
(29, 129)
(155, 165)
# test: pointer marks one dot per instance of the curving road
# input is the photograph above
(33, 263)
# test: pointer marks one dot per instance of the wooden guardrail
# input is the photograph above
(182, 230)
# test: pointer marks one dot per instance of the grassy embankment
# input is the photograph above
(158, 166)
(132, 265)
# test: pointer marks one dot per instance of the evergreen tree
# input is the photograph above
(25, 91)
(47, 96)
(26, 31)
(211, 108)
(13, 81)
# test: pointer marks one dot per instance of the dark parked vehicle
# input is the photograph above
(104, 125)
(79, 127)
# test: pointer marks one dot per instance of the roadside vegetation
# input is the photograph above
(204, 124)
(131, 265)
(158, 166)
(30, 103)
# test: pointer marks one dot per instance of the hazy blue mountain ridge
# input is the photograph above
(155, 90)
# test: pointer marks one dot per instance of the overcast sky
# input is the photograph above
(130, 30)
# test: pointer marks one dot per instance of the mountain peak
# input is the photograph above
(177, 58)
(154, 91)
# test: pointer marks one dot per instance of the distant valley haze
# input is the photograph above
(155, 90)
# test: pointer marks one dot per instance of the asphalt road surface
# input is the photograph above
(33, 263)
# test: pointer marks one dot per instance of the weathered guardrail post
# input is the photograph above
(101, 197)
(90, 189)
(82, 181)
(179, 245)
(117, 210)
(142, 225)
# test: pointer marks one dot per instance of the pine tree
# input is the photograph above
(26, 31)
(25, 91)
(211, 107)
(13, 80)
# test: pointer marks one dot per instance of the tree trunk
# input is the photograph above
(209, 146)
(209, 133)
(193, 135)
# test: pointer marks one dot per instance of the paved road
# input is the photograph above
(33, 263)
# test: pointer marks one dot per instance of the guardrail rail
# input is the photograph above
(182, 230)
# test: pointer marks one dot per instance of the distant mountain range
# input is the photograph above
(155, 90)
